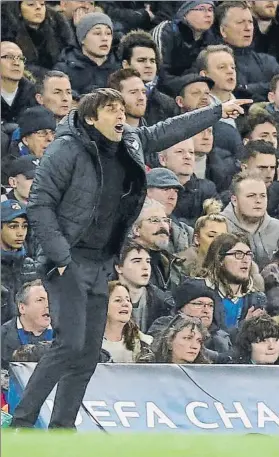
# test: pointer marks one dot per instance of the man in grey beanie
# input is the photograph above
(89, 66)
(185, 36)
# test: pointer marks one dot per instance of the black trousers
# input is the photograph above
(78, 303)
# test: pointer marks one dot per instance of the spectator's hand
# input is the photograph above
(252, 312)
(148, 9)
(233, 109)
(79, 13)
(61, 270)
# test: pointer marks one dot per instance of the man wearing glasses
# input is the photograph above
(17, 92)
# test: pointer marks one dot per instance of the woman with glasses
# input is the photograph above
(122, 338)
(40, 32)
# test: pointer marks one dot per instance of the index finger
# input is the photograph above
(244, 101)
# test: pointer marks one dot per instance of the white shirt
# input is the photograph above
(200, 166)
(8, 96)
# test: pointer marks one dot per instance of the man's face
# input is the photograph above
(33, 12)
(134, 93)
(265, 164)
(266, 351)
(195, 96)
(201, 18)
(153, 230)
(136, 268)
(69, 8)
(144, 61)
(203, 141)
(208, 233)
(38, 142)
(234, 270)
(36, 308)
(57, 96)
(251, 200)
(22, 186)
(13, 234)
(111, 120)
(264, 9)
(202, 308)
(165, 195)
(238, 28)
(273, 97)
(12, 65)
(180, 158)
(98, 41)
(221, 68)
(266, 132)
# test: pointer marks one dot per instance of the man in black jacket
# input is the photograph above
(266, 27)
(87, 192)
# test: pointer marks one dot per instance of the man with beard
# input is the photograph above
(266, 27)
(247, 214)
(227, 271)
(152, 231)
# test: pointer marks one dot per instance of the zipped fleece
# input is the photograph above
(66, 188)
(263, 242)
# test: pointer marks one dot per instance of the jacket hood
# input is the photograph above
(231, 216)
(68, 126)
(73, 57)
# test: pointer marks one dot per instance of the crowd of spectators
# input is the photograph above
(197, 279)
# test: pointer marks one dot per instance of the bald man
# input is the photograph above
(17, 92)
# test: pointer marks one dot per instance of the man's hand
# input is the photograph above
(61, 270)
(233, 109)
(252, 312)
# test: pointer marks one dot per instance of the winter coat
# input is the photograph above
(178, 47)
(67, 186)
(25, 98)
(267, 42)
(254, 72)
(159, 107)
(159, 303)
(15, 271)
(273, 200)
(41, 47)
(131, 15)
(166, 270)
(263, 242)
(181, 236)
(190, 199)
(85, 75)
(271, 279)
(271, 110)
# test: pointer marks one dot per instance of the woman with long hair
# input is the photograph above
(182, 342)
(122, 338)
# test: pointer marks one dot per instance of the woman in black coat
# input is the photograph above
(38, 30)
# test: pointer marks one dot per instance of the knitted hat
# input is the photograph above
(190, 290)
(190, 5)
(89, 21)
(34, 119)
(163, 179)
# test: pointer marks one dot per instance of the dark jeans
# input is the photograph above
(78, 302)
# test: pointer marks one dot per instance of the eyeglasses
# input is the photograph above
(10, 57)
(200, 305)
(159, 220)
(239, 255)
(203, 9)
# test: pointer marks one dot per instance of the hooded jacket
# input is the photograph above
(66, 190)
(85, 75)
(263, 242)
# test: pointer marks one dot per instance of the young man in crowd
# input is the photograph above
(260, 126)
(22, 172)
(16, 267)
(163, 186)
(80, 241)
(134, 271)
(17, 92)
(261, 156)
(54, 92)
(273, 97)
(254, 70)
(203, 144)
(89, 65)
(247, 214)
(180, 159)
(32, 324)
(266, 27)
(139, 51)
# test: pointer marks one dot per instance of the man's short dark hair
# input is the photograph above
(222, 10)
(116, 78)
(273, 83)
(252, 148)
(90, 103)
(128, 247)
(40, 84)
(202, 59)
(251, 122)
(137, 39)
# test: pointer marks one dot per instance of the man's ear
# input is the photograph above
(203, 73)
(39, 99)
(233, 200)
(162, 159)
(223, 31)
(245, 141)
(24, 140)
(243, 166)
(118, 269)
(135, 230)
(21, 308)
(12, 182)
(271, 97)
(90, 120)
(125, 64)
(179, 101)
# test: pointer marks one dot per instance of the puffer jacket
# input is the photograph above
(264, 242)
(85, 75)
(67, 186)
(159, 107)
